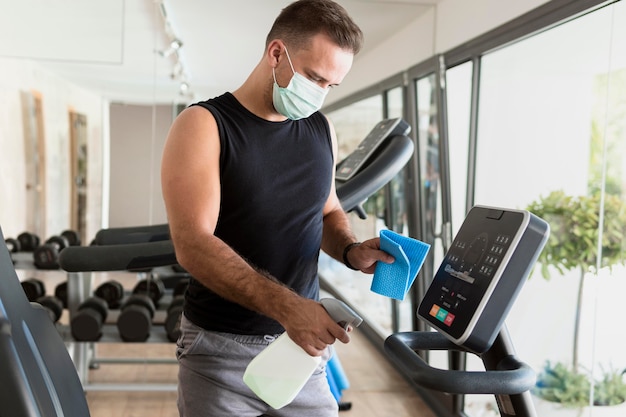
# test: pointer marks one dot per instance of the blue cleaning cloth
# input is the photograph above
(394, 280)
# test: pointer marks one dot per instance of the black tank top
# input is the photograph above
(275, 179)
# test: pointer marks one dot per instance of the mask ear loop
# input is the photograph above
(289, 59)
(290, 64)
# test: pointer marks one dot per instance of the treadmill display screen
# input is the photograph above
(470, 269)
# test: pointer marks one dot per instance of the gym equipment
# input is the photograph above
(383, 130)
(37, 375)
(379, 158)
(172, 320)
(72, 237)
(28, 241)
(86, 325)
(152, 287)
(13, 245)
(129, 235)
(60, 291)
(46, 256)
(467, 303)
(135, 320)
(122, 257)
(33, 288)
(278, 373)
(112, 292)
(52, 305)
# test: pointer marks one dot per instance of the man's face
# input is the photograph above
(321, 61)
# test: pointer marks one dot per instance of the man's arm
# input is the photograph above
(191, 189)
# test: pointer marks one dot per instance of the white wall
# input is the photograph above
(58, 97)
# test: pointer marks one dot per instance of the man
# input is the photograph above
(248, 183)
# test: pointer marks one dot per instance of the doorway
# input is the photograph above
(35, 162)
(78, 174)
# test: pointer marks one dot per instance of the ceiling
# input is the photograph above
(117, 48)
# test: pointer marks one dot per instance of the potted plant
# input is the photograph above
(573, 244)
(571, 388)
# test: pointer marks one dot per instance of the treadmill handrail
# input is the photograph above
(390, 159)
(511, 377)
(133, 234)
(134, 256)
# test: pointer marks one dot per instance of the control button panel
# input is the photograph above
(470, 268)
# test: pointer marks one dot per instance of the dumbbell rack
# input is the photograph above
(79, 288)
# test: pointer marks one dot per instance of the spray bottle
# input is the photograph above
(278, 373)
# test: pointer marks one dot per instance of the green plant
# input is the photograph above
(577, 241)
(575, 234)
(567, 386)
(611, 389)
(561, 384)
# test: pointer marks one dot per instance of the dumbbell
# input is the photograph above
(112, 292)
(135, 318)
(46, 256)
(13, 245)
(152, 287)
(172, 320)
(86, 325)
(72, 236)
(53, 305)
(60, 292)
(33, 288)
(175, 311)
(28, 241)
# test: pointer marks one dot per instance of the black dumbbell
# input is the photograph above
(33, 288)
(86, 325)
(52, 305)
(112, 292)
(72, 236)
(172, 320)
(28, 241)
(46, 256)
(152, 287)
(13, 245)
(135, 320)
(60, 292)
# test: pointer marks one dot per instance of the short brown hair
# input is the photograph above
(301, 20)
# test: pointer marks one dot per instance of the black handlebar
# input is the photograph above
(135, 256)
(386, 162)
(137, 234)
(510, 375)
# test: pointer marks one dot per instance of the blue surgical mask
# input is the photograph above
(300, 99)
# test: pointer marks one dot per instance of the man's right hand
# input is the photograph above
(310, 326)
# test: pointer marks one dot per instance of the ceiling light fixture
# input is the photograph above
(173, 50)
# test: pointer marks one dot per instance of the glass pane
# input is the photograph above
(552, 120)
(428, 142)
(459, 90)
(395, 105)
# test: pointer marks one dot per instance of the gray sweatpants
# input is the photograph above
(210, 378)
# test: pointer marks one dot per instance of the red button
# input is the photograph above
(449, 319)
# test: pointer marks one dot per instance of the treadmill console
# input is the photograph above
(383, 130)
(481, 275)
